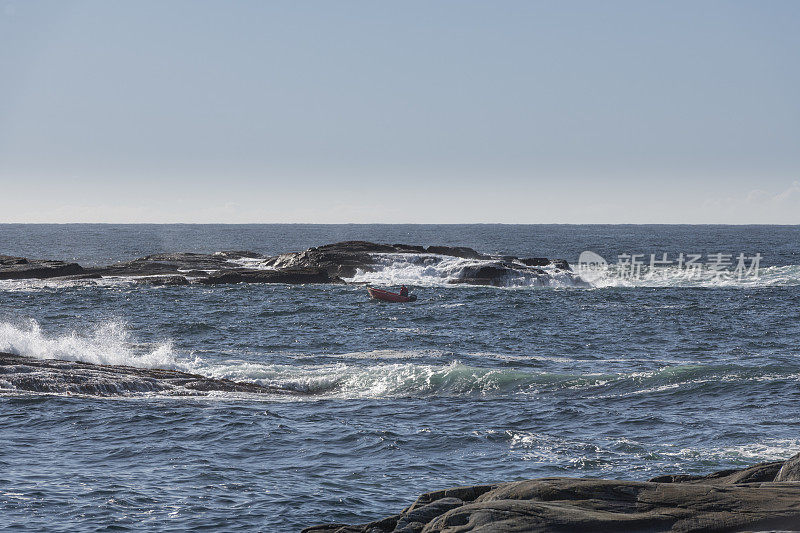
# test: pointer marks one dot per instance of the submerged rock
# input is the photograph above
(756, 498)
(19, 373)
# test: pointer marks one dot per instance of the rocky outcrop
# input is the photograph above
(756, 498)
(457, 251)
(163, 280)
(19, 373)
(175, 263)
(497, 273)
(324, 264)
(790, 470)
(751, 474)
(21, 268)
(343, 259)
(340, 259)
(286, 275)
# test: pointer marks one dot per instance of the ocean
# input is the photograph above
(639, 372)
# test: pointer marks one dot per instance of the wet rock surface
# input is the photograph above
(285, 275)
(763, 497)
(163, 280)
(19, 373)
(173, 263)
(22, 268)
(324, 264)
(344, 259)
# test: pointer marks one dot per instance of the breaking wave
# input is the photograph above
(458, 379)
(109, 343)
(370, 376)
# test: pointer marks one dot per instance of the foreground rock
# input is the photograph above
(749, 499)
(18, 373)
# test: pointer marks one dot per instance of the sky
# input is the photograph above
(400, 112)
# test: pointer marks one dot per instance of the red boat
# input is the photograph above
(380, 294)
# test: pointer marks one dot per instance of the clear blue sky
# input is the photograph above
(434, 111)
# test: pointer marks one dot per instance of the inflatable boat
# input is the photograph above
(386, 296)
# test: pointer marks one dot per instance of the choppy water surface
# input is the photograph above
(467, 385)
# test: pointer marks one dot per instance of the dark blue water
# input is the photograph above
(467, 385)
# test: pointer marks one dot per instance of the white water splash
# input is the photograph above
(108, 343)
(438, 270)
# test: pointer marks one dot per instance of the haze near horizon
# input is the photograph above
(446, 112)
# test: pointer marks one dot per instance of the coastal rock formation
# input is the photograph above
(790, 470)
(344, 259)
(758, 498)
(284, 275)
(19, 373)
(341, 259)
(21, 268)
(175, 263)
(163, 280)
(324, 264)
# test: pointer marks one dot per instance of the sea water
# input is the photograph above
(626, 377)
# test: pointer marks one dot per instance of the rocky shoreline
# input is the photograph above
(762, 497)
(324, 264)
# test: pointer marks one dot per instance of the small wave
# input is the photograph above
(456, 379)
(554, 448)
(381, 380)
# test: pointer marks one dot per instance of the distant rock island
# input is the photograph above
(324, 264)
(763, 497)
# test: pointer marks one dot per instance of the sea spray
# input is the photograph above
(107, 343)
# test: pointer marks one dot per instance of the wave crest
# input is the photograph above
(108, 343)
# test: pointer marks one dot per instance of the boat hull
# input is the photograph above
(387, 296)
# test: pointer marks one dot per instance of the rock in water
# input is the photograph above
(21, 373)
(22, 268)
(163, 280)
(732, 500)
(286, 275)
(174, 263)
(323, 264)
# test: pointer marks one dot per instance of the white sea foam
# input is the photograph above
(375, 374)
(544, 447)
(438, 270)
(108, 343)
(378, 380)
(615, 276)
